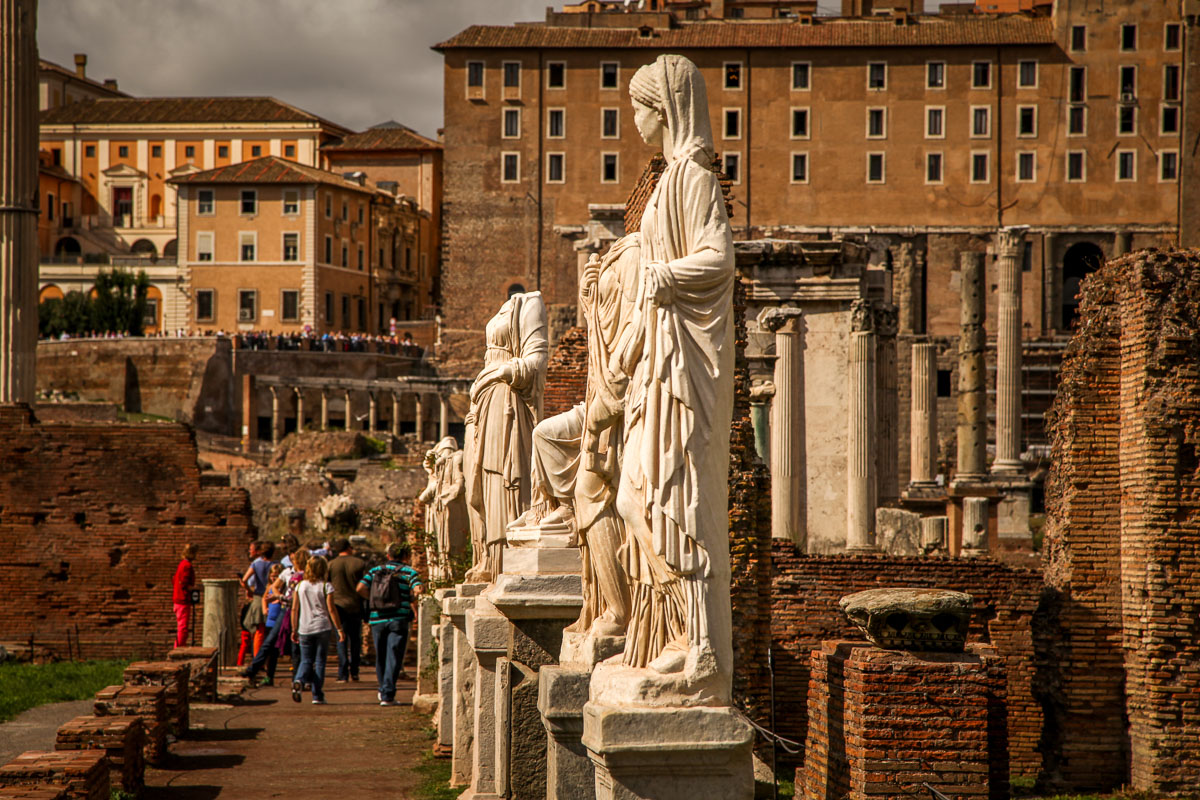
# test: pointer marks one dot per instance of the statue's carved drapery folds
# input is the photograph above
(446, 506)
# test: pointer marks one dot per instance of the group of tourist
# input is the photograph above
(316, 592)
(329, 342)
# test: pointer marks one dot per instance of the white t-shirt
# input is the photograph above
(314, 614)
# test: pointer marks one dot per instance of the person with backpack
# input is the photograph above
(389, 589)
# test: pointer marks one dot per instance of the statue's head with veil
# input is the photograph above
(670, 109)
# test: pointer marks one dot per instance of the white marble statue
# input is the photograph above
(677, 351)
(447, 507)
(506, 403)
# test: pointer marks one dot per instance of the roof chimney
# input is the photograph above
(81, 64)
(110, 83)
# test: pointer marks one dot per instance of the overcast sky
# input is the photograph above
(356, 62)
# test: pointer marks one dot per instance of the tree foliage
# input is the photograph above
(117, 305)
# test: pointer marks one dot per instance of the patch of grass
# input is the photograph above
(373, 445)
(787, 789)
(25, 686)
(435, 779)
(137, 416)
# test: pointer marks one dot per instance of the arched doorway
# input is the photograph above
(1081, 260)
(170, 249)
(152, 322)
(155, 207)
(67, 247)
(50, 292)
(145, 247)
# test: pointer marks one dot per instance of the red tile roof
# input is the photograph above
(920, 32)
(50, 66)
(272, 169)
(156, 110)
(392, 136)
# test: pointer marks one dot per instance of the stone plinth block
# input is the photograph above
(202, 670)
(173, 676)
(462, 709)
(82, 773)
(669, 753)
(121, 739)
(221, 626)
(562, 693)
(911, 619)
(543, 596)
(147, 702)
(542, 561)
(429, 612)
(885, 724)
(586, 650)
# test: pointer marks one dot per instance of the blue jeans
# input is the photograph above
(268, 654)
(391, 639)
(349, 650)
(313, 649)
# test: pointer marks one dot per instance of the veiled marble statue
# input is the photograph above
(448, 504)
(506, 403)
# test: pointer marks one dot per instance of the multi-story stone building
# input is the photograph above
(271, 244)
(59, 86)
(919, 135)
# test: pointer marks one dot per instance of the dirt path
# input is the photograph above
(273, 747)
(37, 728)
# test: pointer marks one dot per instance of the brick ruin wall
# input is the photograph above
(1123, 533)
(804, 613)
(566, 373)
(92, 522)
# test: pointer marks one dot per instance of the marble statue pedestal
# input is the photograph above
(443, 634)
(487, 638)
(429, 612)
(462, 710)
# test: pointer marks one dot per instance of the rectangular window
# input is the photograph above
(1026, 167)
(189, 151)
(360, 213)
(608, 167)
(1027, 74)
(935, 74)
(1078, 84)
(556, 167)
(89, 151)
(510, 167)
(123, 151)
(345, 211)
(1129, 37)
(289, 151)
(981, 75)
(474, 74)
(1078, 38)
(204, 246)
(876, 168)
(801, 76)
(1077, 121)
(512, 74)
(733, 75)
(362, 260)
(979, 167)
(1126, 120)
(291, 202)
(290, 305)
(249, 203)
(800, 128)
(556, 75)
(799, 167)
(876, 123)
(329, 307)
(512, 123)
(328, 249)
(1026, 120)
(733, 166)
(1171, 82)
(345, 255)
(247, 245)
(255, 150)
(556, 123)
(935, 122)
(1126, 165)
(155, 151)
(610, 123)
(1170, 121)
(222, 151)
(205, 205)
(1076, 167)
(362, 313)
(933, 167)
(732, 128)
(50, 207)
(346, 311)
(1171, 36)
(1128, 83)
(247, 305)
(291, 247)
(877, 75)
(608, 74)
(981, 122)
(1168, 166)
(328, 206)
(206, 305)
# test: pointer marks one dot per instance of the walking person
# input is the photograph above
(313, 616)
(345, 573)
(276, 612)
(389, 589)
(184, 583)
(255, 581)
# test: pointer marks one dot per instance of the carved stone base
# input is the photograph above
(562, 693)
(586, 650)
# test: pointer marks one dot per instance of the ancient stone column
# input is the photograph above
(443, 416)
(18, 200)
(372, 412)
(974, 526)
(923, 426)
(935, 535)
(420, 416)
(299, 410)
(324, 410)
(903, 289)
(972, 373)
(860, 434)
(349, 420)
(787, 426)
(1008, 351)
(918, 292)
(1051, 284)
(275, 421)
(887, 409)
(396, 414)
(221, 624)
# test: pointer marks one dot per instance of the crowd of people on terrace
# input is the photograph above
(300, 598)
(328, 342)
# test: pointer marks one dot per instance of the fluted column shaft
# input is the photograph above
(324, 410)
(349, 423)
(18, 200)
(1008, 352)
(443, 416)
(420, 417)
(396, 415)
(972, 375)
(860, 435)
(787, 431)
(299, 410)
(974, 526)
(923, 415)
(372, 412)
(274, 415)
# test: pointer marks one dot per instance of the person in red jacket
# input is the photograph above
(185, 581)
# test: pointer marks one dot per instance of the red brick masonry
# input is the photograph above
(173, 676)
(147, 702)
(121, 739)
(202, 666)
(83, 773)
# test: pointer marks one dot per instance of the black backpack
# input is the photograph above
(387, 590)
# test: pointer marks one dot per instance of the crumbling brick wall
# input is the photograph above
(566, 373)
(92, 522)
(804, 612)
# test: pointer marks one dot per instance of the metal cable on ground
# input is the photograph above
(790, 746)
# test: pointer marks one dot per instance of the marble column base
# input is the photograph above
(429, 612)
(669, 753)
(462, 711)
(562, 693)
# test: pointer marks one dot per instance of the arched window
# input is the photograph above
(155, 206)
(145, 247)
(170, 249)
(50, 292)
(1081, 260)
(68, 247)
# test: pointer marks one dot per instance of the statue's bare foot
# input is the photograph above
(701, 664)
(605, 625)
(672, 659)
(478, 574)
(563, 515)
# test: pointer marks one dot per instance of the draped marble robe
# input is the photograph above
(449, 506)
(506, 403)
(678, 352)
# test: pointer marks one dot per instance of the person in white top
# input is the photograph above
(313, 616)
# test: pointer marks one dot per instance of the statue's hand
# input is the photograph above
(591, 275)
(506, 373)
(659, 284)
